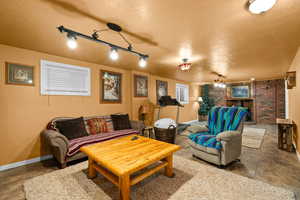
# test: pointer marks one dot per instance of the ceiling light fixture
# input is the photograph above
(261, 6)
(72, 43)
(185, 65)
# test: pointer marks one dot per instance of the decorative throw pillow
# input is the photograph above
(97, 125)
(73, 128)
(121, 121)
(52, 124)
(107, 118)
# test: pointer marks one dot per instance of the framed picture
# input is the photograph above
(240, 91)
(161, 89)
(18, 74)
(140, 86)
(111, 87)
(290, 79)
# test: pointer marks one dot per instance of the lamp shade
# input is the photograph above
(200, 99)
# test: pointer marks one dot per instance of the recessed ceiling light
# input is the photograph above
(252, 79)
(260, 6)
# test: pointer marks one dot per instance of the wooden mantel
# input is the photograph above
(239, 99)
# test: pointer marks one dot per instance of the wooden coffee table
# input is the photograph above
(119, 158)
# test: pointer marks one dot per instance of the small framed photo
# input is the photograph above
(18, 74)
(290, 79)
(140, 86)
(111, 87)
(161, 89)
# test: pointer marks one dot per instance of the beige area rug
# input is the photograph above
(253, 137)
(193, 181)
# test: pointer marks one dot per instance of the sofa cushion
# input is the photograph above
(75, 144)
(72, 128)
(121, 121)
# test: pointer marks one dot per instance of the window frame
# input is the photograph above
(185, 89)
(45, 66)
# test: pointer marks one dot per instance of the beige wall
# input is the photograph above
(24, 112)
(294, 99)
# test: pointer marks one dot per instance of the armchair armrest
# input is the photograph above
(228, 135)
(137, 125)
(58, 143)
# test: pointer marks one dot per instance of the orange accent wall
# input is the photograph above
(294, 99)
(24, 112)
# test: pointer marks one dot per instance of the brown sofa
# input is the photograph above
(65, 150)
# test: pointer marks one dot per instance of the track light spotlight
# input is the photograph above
(114, 55)
(143, 62)
(71, 42)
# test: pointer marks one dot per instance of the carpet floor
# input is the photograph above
(193, 181)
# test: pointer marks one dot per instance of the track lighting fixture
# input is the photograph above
(113, 54)
(220, 81)
(72, 42)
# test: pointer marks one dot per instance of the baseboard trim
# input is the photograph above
(25, 162)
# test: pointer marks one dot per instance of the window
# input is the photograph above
(63, 79)
(182, 93)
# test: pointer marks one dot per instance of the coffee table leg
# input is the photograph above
(169, 167)
(91, 170)
(124, 184)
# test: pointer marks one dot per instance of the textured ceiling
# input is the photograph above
(221, 36)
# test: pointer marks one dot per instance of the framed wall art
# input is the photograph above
(240, 91)
(111, 87)
(161, 89)
(140, 86)
(19, 74)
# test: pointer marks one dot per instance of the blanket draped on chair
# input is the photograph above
(220, 119)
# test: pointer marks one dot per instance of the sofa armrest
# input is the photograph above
(228, 135)
(137, 125)
(58, 143)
